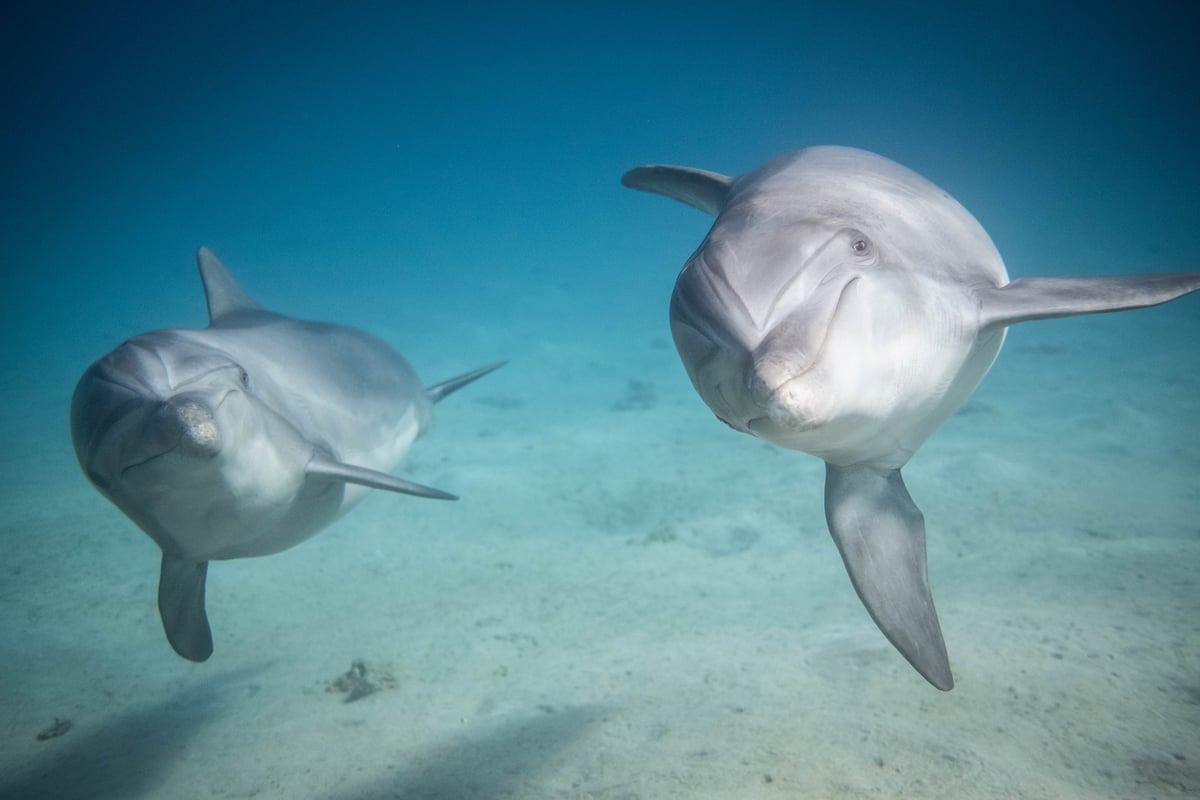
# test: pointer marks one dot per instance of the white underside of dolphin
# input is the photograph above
(244, 438)
(844, 306)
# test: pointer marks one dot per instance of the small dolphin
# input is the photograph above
(845, 306)
(244, 438)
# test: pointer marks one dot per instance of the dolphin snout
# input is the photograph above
(185, 425)
(787, 353)
(765, 376)
(787, 400)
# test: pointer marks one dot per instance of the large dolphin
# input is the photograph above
(843, 305)
(244, 438)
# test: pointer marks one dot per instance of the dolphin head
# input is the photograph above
(171, 430)
(823, 311)
(144, 402)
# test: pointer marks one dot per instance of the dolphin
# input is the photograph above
(244, 438)
(844, 306)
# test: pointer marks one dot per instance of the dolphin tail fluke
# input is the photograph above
(181, 606)
(440, 390)
(698, 188)
(880, 533)
(1028, 299)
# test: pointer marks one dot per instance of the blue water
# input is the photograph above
(449, 179)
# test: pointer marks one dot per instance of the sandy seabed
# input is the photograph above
(632, 601)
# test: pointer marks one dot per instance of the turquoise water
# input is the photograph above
(630, 600)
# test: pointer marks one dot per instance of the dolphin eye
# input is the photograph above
(862, 247)
(245, 378)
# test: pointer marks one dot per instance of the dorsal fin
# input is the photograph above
(697, 187)
(221, 290)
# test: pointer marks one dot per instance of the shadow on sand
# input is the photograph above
(500, 763)
(125, 756)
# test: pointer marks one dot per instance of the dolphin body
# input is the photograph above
(244, 438)
(845, 306)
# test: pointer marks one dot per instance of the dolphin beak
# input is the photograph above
(184, 425)
(199, 436)
(791, 350)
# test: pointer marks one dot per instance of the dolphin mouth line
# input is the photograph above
(127, 469)
(819, 350)
(833, 316)
(760, 426)
(224, 397)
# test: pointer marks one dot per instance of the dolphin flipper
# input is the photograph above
(321, 467)
(181, 606)
(1028, 299)
(698, 188)
(438, 391)
(880, 533)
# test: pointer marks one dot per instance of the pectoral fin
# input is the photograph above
(1028, 299)
(698, 188)
(181, 606)
(880, 533)
(327, 468)
(440, 390)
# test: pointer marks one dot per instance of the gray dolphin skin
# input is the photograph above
(844, 306)
(244, 438)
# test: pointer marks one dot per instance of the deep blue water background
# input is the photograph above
(460, 160)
